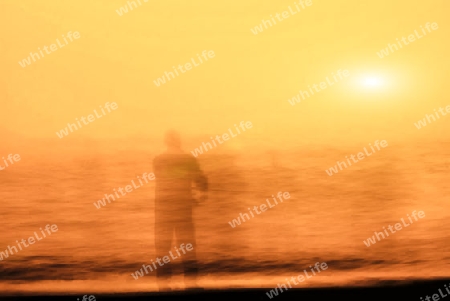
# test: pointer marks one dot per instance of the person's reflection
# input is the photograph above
(175, 173)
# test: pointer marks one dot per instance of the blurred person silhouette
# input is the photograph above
(175, 174)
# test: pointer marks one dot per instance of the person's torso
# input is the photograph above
(174, 174)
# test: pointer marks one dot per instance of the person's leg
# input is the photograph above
(185, 234)
(163, 239)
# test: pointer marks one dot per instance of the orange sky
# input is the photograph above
(250, 78)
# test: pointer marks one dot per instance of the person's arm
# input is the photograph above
(202, 182)
(200, 179)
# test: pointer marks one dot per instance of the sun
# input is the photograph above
(372, 82)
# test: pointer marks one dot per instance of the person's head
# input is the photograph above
(172, 139)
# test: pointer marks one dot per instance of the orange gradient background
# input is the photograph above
(117, 58)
